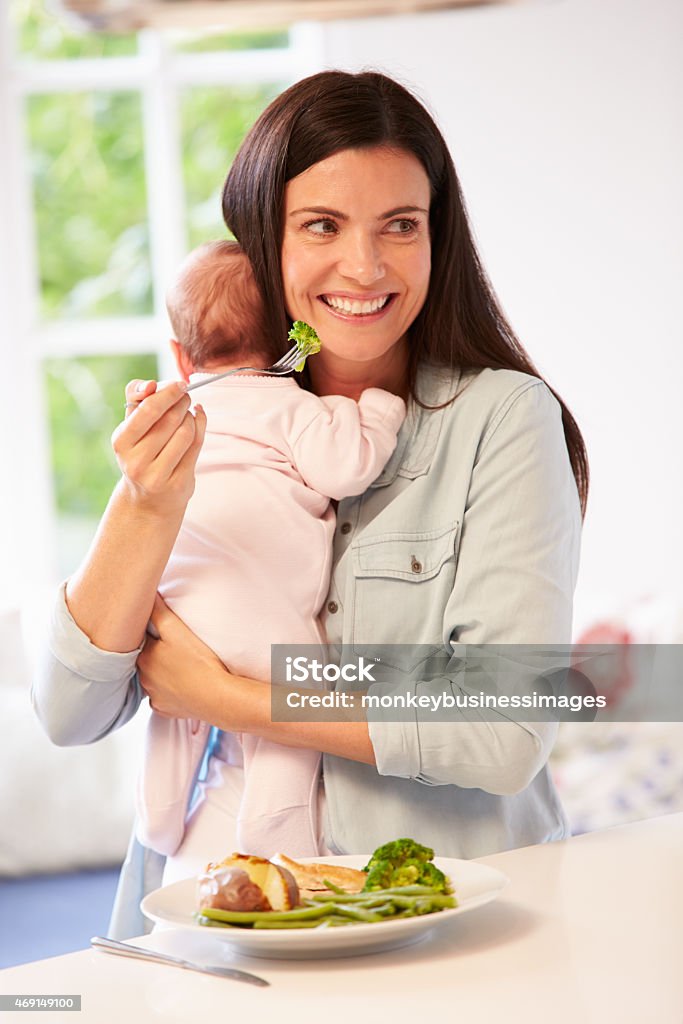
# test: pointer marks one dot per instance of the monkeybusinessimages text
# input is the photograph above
(303, 670)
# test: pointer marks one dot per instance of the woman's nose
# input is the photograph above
(361, 259)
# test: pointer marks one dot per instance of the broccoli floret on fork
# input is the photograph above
(306, 341)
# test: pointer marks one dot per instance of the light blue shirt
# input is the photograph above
(481, 496)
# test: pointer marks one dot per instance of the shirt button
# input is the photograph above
(346, 528)
(332, 607)
(415, 565)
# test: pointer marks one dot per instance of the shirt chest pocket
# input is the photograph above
(402, 583)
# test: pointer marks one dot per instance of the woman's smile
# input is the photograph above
(356, 261)
(364, 307)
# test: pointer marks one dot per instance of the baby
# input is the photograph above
(251, 565)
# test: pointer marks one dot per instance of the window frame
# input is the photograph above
(158, 72)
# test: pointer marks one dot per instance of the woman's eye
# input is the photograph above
(403, 226)
(321, 227)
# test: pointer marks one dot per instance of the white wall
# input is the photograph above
(564, 120)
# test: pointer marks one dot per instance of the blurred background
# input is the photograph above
(563, 117)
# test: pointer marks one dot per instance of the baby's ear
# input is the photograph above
(182, 360)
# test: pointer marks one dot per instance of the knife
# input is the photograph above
(137, 952)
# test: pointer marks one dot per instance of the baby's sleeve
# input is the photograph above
(346, 444)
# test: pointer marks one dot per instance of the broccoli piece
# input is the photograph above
(380, 876)
(400, 850)
(306, 340)
(433, 877)
(403, 862)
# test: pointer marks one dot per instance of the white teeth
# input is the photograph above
(356, 307)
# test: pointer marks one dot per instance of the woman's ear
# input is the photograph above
(182, 360)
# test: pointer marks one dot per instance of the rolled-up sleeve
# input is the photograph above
(499, 756)
(80, 693)
(516, 566)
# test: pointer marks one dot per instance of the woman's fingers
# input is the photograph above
(157, 444)
(160, 447)
(137, 391)
(144, 434)
(149, 414)
(187, 459)
(168, 474)
(171, 661)
(170, 470)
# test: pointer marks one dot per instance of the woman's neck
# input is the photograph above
(331, 375)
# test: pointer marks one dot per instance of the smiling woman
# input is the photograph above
(356, 262)
(341, 115)
(345, 200)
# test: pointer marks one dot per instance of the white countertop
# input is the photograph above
(589, 930)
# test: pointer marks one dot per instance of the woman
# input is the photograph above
(345, 198)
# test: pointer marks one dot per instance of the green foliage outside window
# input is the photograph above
(209, 43)
(90, 204)
(85, 397)
(213, 123)
(45, 35)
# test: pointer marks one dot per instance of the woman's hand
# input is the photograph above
(157, 445)
(183, 678)
(177, 670)
(111, 594)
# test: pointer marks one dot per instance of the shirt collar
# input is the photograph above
(419, 433)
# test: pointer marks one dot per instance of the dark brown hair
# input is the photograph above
(461, 324)
(215, 307)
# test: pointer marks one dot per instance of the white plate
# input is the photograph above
(474, 885)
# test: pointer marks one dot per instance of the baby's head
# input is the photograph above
(216, 311)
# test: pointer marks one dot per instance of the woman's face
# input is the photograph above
(356, 252)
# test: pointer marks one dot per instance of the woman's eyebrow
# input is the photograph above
(320, 209)
(326, 211)
(402, 209)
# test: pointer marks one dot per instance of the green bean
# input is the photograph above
(381, 894)
(438, 902)
(357, 913)
(251, 917)
(385, 909)
(334, 888)
(369, 902)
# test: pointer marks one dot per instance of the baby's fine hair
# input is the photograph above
(215, 308)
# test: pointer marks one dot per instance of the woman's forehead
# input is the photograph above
(379, 177)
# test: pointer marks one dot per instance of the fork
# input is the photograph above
(279, 369)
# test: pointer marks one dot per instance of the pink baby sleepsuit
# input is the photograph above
(250, 568)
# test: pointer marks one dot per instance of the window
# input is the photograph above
(114, 153)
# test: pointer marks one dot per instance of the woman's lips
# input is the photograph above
(350, 307)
